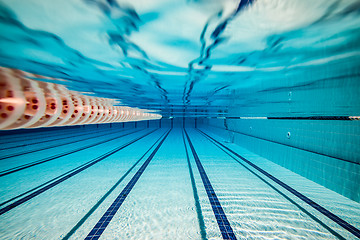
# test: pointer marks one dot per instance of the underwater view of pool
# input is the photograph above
(187, 119)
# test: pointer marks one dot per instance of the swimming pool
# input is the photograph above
(158, 183)
(255, 108)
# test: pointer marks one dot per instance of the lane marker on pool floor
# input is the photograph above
(69, 174)
(350, 228)
(332, 231)
(102, 199)
(49, 147)
(195, 193)
(224, 225)
(28, 165)
(21, 137)
(47, 159)
(68, 136)
(104, 221)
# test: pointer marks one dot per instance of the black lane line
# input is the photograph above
(337, 235)
(48, 147)
(70, 135)
(33, 189)
(69, 175)
(31, 135)
(224, 225)
(345, 118)
(104, 221)
(299, 148)
(195, 193)
(350, 228)
(28, 165)
(92, 210)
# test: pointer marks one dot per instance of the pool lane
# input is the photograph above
(16, 184)
(199, 212)
(168, 200)
(111, 190)
(161, 204)
(13, 163)
(25, 136)
(253, 209)
(223, 223)
(21, 143)
(104, 221)
(49, 145)
(56, 211)
(337, 214)
(16, 164)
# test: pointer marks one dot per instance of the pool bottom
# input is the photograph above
(170, 198)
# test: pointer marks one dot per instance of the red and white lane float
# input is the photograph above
(29, 103)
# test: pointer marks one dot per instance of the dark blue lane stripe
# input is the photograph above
(104, 221)
(51, 140)
(278, 191)
(31, 164)
(327, 213)
(195, 193)
(11, 136)
(47, 147)
(224, 225)
(71, 174)
(58, 177)
(346, 118)
(102, 199)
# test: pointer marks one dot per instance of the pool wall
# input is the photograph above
(311, 132)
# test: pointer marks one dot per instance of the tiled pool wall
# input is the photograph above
(325, 150)
(305, 152)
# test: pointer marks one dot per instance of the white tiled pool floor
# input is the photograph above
(146, 184)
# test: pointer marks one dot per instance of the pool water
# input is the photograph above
(259, 136)
(57, 196)
(196, 58)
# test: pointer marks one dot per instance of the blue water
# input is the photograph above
(257, 139)
(175, 56)
(60, 199)
(161, 205)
